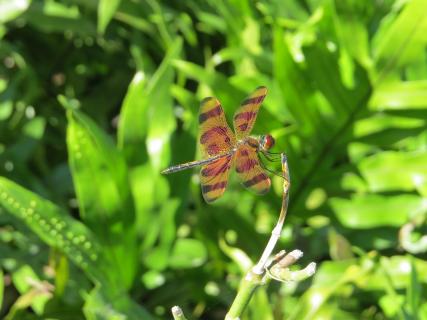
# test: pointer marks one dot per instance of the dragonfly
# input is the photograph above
(222, 150)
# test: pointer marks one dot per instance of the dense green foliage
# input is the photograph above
(96, 97)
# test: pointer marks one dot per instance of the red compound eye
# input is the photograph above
(268, 142)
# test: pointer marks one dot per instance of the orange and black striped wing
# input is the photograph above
(215, 136)
(245, 116)
(214, 177)
(249, 170)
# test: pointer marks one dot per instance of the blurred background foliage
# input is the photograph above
(96, 97)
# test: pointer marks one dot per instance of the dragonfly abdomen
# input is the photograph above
(192, 164)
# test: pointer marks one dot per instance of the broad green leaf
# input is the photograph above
(6, 109)
(370, 211)
(163, 230)
(102, 187)
(368, 128)
(391, 304)
(134, 120)
(11, 9)
(352, 30)
(53, 226)
(400, 96)
(100, 174)
(405, 39)
(106, 10)
(392, 171)
(161, 115)
(153, 279)
(147, 120)
(322, 106)
(187, 253)
(99, 305)
(315, 299)
(394, 273)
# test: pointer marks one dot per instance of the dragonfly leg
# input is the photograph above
(279, 174)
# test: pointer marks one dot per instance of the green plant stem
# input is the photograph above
(246, 289)
(255, 276)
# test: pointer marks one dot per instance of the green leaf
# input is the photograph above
(102, 187)
(164, 231)
(352, 30)
(106, 10)
(187, 253)
(399, 272)
(162, 119)
(391, 304)
(404, 40)
(384, 171)
(48, 18)
(53, 226)
(11, 9)
(1, 287)
(61, 274)
(98, 305)
(400, 96)
(260, 306)
(25, 280)
(370, 211)
(328, 280)
(217, 83)
(133, 120)
(413, 294)
(147, 118)
(339, 246)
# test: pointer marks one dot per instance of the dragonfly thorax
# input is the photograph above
(261, 143)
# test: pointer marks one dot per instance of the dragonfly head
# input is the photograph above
(266, 142)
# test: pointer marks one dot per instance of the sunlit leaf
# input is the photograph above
(101, 180)
(99, 306)
(53, 225)
(369, 211)
(25, 280)
(10, 9)
(404, 40)
(400, 96)
(389, 171)
(187, 253)
(106, 10)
